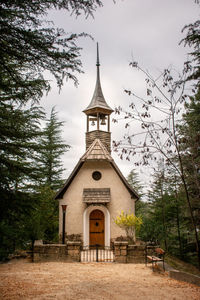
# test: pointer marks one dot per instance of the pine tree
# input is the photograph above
(133, 180)
(29, 45)
(43, 222)
(141, 206)
(19, 133)
(190, 147)
(166, 96)
(192, 40)
(53, 148)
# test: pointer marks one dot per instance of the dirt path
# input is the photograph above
(57, 280)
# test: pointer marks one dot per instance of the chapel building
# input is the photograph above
(96, 191)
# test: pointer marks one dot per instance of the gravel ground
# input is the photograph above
(56, 280)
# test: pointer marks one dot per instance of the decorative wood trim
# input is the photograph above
(104, 136)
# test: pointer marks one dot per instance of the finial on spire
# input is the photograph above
(98, 63)
(98, 102)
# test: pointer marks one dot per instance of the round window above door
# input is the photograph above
(96, 175)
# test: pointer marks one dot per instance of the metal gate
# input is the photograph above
(96, 253)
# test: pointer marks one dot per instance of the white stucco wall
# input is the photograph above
(120, 197)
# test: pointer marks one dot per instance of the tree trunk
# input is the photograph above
(186, 191)
(163, 218)
(178, 225)
(193, 222)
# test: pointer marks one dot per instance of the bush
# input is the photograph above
(130, 223)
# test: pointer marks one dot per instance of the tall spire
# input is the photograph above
(98, 64)
(98, 100)
(98, 115)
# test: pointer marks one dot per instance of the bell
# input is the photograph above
(103, 121)
(93, 123)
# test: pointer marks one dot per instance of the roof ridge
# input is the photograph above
(104, 154)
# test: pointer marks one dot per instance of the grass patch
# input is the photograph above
(180, 265)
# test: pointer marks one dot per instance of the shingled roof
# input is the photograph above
(98, 101)
(96, 152)
(96, 195)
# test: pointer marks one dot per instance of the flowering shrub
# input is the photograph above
(130, 223)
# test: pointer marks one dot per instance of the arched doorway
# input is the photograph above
(86, 224)
(96, 227)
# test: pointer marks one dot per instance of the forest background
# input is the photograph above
(31, 149)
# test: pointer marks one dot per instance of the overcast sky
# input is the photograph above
(148, 31)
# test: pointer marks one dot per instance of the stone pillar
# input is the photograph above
(120, 251)
(136, 254)
(74, 250)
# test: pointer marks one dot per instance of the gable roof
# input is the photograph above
(96, 152)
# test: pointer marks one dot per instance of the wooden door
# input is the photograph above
(96, 228)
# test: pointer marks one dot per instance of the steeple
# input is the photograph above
(98, 101)
(98, 114)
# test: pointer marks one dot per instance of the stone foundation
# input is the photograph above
(136, 254)
(49, 252)
(70, 252)
(125, 253)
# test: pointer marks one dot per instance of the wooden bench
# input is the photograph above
(158, 256)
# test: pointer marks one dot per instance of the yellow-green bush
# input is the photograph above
(130, 223)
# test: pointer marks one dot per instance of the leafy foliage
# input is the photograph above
(130, 223)
(43, 222)
(192, 39)
(190, 147)
(31, 49)
(52, 150)
(167, 132)
(133, 180)
(31, 170)
(29, 45)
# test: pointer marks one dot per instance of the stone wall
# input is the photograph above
(74, 251)
(125, 253)
(136, 254)
(69, 252)
(49, 252)
(120, 251)
(182, 276)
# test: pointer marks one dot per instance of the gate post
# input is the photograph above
(97, 252)
(120, 251)
(63, 224)
(74, 250)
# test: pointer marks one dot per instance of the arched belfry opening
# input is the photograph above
(98, 115)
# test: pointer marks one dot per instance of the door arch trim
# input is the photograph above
(86, 220)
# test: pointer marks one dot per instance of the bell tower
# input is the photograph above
(98, 115)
